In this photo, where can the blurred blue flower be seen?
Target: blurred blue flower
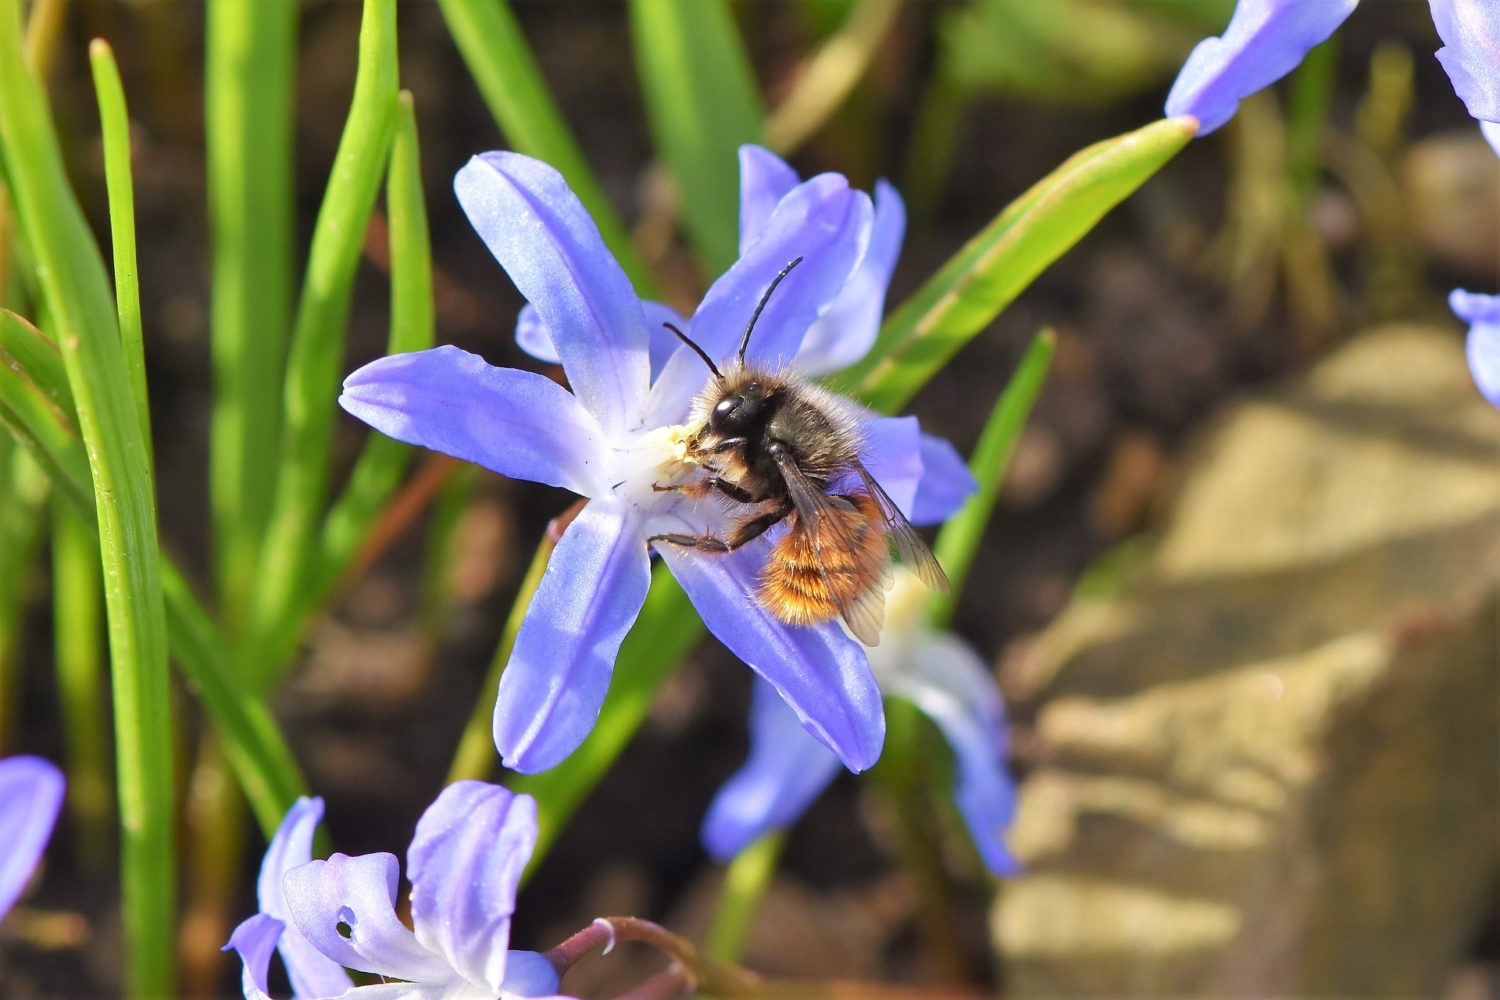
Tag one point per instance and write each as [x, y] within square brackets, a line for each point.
[620, 431]
[1482, 313]
[324, 917]
[31, 793]
[1267, 39]
[936, 671]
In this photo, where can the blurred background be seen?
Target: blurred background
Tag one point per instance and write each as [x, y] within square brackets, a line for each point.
[1240, 590]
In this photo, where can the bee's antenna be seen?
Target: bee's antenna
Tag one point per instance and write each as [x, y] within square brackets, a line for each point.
[762, 304]
[697, 350]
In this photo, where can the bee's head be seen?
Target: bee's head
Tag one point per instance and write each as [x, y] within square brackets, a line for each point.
[737, 413]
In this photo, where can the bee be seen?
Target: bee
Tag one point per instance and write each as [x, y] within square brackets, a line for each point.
[789, 450]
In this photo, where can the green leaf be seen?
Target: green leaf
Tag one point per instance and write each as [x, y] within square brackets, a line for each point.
[384, 460]
[77, 295]
[114, 123]
[317, 348]
[249, 72]
[702, 102]
[492, 46]
[996, 265]
[959, 538]
[259, 754]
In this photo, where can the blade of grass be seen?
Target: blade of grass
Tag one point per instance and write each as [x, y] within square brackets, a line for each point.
[258, 752]
[77, 295]
[831, 75]
[996, 265]
[509, 80]
[702, 103]
[114, 123]
[23, 496]
[312, 375]
[959, 538]
[78, 630]
[249, 72]
[384, 460]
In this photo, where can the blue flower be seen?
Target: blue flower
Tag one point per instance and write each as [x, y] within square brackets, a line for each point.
[936, 671]
[464, 865]
[1482, 313]
[1266, 39]
[31, 793]
[620, 431]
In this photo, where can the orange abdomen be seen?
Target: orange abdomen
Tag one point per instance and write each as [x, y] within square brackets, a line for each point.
[812, 576]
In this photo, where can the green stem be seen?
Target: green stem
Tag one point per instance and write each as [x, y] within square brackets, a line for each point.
[746, 882]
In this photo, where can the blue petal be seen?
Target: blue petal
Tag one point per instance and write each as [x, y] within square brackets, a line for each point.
[948, 681]
[535, 339]
[1470, 30]
[312, 973]
[847, 331]
[819, 671]
[254, 940]
[892, 453]
[1491, 133]
[1265, 41]
[31, 793]
[946, 482]
[589, 597]
[529, 974]
[520, 424]
[464, 863]
[358, 895]
[765, 179]
[541, 234]
[823, 222]
[786, 770]
[1482, 313]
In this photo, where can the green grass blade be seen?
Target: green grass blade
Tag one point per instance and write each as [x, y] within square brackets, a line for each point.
[998, 263]
[249, 73]
[258, 752]
[77, 295]
[667, 628]
[383, 461]
[959, 538]
[702, 102]
[316, 355]
[492, 46]
[23, 496]
[114, 123]
[78, 631]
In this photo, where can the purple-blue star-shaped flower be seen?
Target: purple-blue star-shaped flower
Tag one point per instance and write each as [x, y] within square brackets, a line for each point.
[620, 431]
[31, 793]
[464, 864]
[936, 671]
[1267, 39]
[1482, 313]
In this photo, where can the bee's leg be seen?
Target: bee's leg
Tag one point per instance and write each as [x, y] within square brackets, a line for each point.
[747, 531]
[701, 488]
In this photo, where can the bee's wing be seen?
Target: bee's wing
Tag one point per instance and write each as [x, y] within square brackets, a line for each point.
[914, 552]
[826, 520]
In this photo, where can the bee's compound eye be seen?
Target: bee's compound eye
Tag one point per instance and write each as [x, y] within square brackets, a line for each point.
[724, 411]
